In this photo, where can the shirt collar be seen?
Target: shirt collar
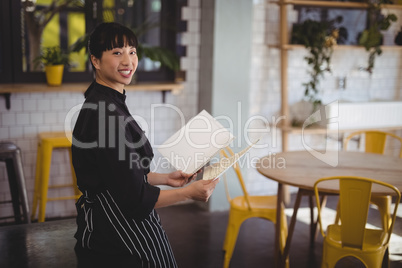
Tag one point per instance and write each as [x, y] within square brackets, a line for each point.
[107, 91]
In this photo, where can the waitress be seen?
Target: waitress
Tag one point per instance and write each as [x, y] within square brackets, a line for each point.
[117, 225]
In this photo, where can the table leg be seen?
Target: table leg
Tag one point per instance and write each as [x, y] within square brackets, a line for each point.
[291, 227]
[314, 222]
[279, 201]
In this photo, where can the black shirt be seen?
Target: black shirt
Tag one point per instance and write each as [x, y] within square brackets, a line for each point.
[111, 158]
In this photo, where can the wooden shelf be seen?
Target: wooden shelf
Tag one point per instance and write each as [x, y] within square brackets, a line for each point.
[81, 87]
[333, 4]
[284, 48]
[336, 47]
[7, 89]
[323, 130]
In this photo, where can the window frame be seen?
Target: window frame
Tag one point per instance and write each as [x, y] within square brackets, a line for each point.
[37, 77]
[169, 16]
[6, 48]
[11, 45]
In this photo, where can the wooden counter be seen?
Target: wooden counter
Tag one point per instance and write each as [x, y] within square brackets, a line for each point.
[7, 89]
[81, 87]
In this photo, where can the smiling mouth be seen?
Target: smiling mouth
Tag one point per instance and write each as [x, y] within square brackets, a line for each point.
[125, 72]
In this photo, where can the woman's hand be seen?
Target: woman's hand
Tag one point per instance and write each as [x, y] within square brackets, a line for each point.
[201, 190]
[179, 178]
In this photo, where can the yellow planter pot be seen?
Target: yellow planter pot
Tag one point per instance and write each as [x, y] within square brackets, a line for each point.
[54, 74]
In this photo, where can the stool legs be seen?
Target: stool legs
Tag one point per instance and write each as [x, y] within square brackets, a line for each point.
[14, 189]
[37, 182]
[46, 156]
[20, 179]
[43, 162]
[11, 154]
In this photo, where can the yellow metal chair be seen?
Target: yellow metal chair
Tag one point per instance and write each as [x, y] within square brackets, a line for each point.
[375, 142]
[47, 142]
[245, 207]
[351, 237]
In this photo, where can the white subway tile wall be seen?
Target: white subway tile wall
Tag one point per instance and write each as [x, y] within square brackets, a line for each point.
[31, 113]
[384, 83]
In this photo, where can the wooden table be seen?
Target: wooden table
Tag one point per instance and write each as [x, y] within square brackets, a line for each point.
[302, 169]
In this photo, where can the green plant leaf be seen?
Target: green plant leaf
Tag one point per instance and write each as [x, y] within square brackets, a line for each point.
[81, 43]
[314, 36]
[52, 56]
[165, 56]
[372, 37]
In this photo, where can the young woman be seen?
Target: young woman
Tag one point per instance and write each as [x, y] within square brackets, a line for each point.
[117, 223]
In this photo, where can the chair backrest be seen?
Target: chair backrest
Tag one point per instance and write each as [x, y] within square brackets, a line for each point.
[354, 201]
[227, 152]
[375, 140]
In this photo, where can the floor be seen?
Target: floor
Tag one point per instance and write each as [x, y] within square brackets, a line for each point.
[196, 237]
[255, 244]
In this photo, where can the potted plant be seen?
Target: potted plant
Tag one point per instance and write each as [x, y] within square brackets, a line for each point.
[54, 59]
[372, 37]
[318, 37]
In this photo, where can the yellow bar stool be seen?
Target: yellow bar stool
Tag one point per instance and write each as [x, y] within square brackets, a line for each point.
[47, 142]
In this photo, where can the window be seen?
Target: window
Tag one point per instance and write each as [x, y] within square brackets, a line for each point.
[155, 24]
[154, 21]
[35, 27]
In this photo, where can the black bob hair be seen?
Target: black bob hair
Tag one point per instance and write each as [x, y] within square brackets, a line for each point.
[109, 35]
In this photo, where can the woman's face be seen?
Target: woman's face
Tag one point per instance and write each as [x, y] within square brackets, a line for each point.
[116, 67]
